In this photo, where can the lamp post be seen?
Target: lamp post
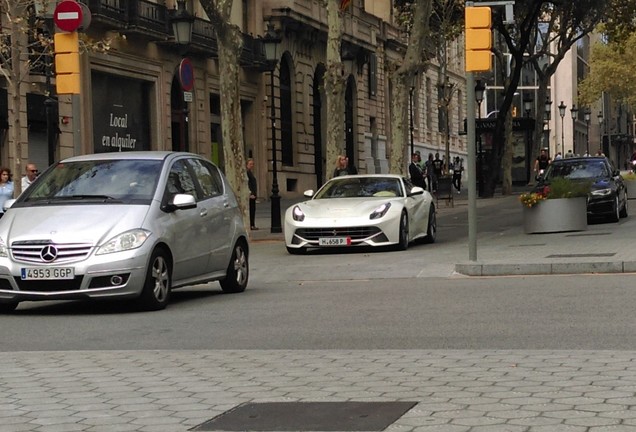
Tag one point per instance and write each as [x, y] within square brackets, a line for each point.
[548, 117]
[562, 108]
[412, 78]
[45, 11]
[574, 112]
[480, 88]
[587, 116]
[271, 42]
[527, 108]
[600, 128]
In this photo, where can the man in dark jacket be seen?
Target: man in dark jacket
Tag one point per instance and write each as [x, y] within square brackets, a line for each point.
[251, 184]
[417, 176]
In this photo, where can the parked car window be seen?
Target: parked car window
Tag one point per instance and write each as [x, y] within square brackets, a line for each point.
[211, 185]
[180, 181]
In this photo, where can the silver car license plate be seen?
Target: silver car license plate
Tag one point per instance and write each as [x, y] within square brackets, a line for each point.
[48, 273]
[334, 241]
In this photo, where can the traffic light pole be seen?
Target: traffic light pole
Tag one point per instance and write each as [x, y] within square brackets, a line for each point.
[472, 165]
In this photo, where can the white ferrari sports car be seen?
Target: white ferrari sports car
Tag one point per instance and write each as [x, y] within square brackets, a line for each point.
[361, 210]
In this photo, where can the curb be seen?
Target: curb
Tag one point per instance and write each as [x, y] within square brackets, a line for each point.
[546, 268]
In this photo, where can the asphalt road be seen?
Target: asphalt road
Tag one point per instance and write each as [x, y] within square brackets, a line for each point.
[351, 300]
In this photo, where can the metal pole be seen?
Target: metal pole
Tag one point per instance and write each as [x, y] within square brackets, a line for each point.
[562, 136]
[480, 157]
[275, 198]
[587, 136]
[411, 116]
[49, 102]
[470, 172]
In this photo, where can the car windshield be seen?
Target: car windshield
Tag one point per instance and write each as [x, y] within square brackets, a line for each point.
[128, 181]
[360, 187]
[577, 169]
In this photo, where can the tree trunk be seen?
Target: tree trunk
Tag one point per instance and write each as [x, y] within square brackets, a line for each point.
[15, 116]
[506, 162]
[412, 64]
[334, 86]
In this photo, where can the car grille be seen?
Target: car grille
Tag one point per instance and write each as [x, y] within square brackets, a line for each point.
[31, 251]
[356, 233]
[50, 285]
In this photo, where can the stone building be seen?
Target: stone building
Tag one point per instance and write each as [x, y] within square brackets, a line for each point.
[150, 93]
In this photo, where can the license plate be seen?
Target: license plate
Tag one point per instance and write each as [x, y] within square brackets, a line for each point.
[50, 273]
[334, 241]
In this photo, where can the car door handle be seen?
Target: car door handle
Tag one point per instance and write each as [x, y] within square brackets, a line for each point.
[203, 212]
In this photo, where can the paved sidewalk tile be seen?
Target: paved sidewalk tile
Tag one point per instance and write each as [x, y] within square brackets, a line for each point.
[455, 390]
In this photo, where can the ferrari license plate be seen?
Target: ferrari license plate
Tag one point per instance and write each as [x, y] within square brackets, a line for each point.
[48, 273]
[334, 241]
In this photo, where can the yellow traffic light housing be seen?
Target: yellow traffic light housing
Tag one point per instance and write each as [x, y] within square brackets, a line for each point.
[67, 63]
[478, 39]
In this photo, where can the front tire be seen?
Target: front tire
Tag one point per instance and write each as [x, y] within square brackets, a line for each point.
[237, 270]
[616, 215]
[624, 210]
[155, 294]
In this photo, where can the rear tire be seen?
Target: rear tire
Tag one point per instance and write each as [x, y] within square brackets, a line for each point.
[8, 307]
[155, 294]
[237, 270]
[431, 231]
[403, 238]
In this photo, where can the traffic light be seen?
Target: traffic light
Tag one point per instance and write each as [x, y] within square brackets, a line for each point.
[478, 39]
[67, 63]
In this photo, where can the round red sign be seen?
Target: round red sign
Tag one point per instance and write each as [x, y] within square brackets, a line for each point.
[68, 15]
[186, 74]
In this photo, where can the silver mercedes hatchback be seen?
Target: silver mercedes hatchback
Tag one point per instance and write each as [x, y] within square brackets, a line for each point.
[122, 225]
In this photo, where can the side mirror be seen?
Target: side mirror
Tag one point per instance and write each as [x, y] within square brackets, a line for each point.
[416, 190]
[309, 193]
[183, 201]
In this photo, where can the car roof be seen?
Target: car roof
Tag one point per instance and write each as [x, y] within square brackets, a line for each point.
[396, 176]
[140, 155]
[577, 159]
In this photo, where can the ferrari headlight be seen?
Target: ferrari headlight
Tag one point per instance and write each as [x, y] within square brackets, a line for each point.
[380, 211]
[4, 250]
[297, 214]
[601, 192]
[125, 241]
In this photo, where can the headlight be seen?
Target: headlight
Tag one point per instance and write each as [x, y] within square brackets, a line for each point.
[602, 192]
[4, 250]
[124, 241]
[297, 214]
[380, 211]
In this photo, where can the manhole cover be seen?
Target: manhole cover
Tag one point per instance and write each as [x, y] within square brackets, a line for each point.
[308, 416]
[596, 255]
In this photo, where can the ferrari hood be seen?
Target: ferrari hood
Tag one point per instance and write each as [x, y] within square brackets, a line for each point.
[342, 207]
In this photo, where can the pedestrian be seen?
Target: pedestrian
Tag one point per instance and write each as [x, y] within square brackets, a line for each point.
[351, 168]
[569, 154]
[599, 152]
[417, 176]
[341, 166]
[542, 162]
[430, 174]
[251, 184]
[31, 174]
[6, 188]
[558, 156]
[457, 174]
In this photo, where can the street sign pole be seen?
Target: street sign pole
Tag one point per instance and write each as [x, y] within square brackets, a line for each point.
[472, 166]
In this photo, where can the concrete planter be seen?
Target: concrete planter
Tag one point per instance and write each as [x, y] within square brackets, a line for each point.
[556, 215]
[631, 188]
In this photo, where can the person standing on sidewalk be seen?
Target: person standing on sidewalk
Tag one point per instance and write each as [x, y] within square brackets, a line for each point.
[417, 176]
[457, 174]
[251, 184]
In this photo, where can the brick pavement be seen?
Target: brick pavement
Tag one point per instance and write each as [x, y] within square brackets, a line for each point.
[455, 390]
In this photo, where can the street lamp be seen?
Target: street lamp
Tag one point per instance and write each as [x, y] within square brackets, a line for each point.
[271, 40]
[562, 108]
[600, 128]
[412, 79]
[574, 111]
[182, 22]
[548, 116]
[587, 116]
[480, 88]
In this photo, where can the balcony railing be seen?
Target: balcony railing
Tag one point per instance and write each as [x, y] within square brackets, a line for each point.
[146, 15]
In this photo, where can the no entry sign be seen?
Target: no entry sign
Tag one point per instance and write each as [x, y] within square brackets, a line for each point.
[68, 15]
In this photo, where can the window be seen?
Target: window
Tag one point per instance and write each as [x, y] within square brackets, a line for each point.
[286, 116]
[209, 182]
[373, 80]
[180, 181]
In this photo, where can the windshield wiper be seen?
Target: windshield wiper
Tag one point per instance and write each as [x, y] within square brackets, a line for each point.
[82, 197]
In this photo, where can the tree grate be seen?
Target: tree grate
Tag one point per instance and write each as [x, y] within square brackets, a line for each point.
[308, 416]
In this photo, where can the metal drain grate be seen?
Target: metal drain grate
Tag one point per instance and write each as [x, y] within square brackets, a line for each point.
[308, 416]
[597, 255]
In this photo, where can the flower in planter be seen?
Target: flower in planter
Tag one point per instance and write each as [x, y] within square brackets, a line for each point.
[560, 187]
